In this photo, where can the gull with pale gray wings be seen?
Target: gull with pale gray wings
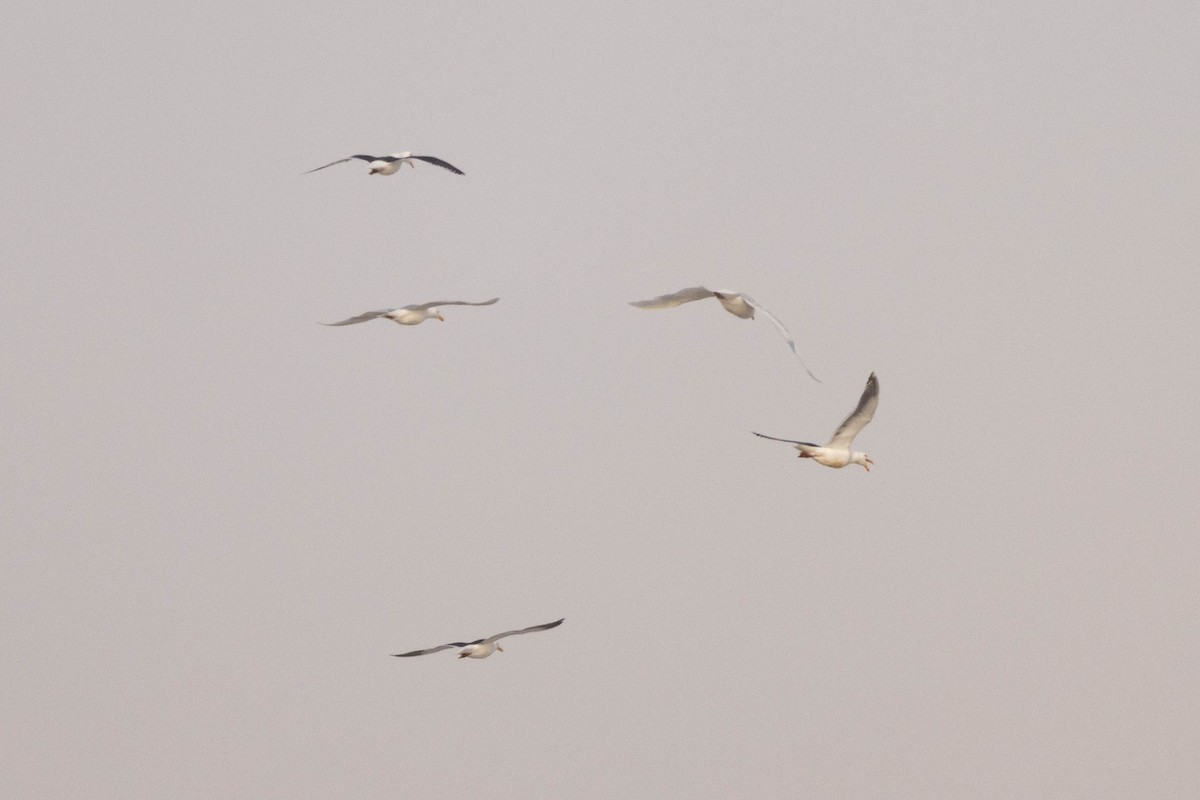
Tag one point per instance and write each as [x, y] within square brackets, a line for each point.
[410, 315]
[481, 648]
[736, 303]
[837, 453]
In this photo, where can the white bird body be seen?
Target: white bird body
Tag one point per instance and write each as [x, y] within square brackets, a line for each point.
[736, 303]
[830, 457]
[413, 316]
[481, 648]
[390, 165]
[837, 452]
[410, 315]
[382, 167]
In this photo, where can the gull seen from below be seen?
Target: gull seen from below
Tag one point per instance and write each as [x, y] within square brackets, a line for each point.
[837, 453]
[410, 315]
[736, 303]
[390, 165]
[480, 648]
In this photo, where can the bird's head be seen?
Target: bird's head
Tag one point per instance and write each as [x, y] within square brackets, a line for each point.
[862, 460]
[498, 647]
[435, 314]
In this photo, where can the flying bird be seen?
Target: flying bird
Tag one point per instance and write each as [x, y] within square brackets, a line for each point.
[837, 453]
[736, 303]
[390, 165]
[410, 315]
[480, 648]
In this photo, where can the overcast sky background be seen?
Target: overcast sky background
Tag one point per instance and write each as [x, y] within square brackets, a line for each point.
[221, 518]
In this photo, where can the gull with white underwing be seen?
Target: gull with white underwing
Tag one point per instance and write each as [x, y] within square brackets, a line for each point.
[410, 315]
[736, 303]
[837, 452]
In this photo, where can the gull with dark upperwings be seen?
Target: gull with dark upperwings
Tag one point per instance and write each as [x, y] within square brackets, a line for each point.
[837, 453]
[481, 648]
[390, 165]
[736, 303]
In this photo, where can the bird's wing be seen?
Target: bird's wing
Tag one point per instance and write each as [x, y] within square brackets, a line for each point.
[440, 163]
[675, 298]
[342, 161]
[789, 441]
[859, 417]
[437, 303]
[787, 336]
[364, 317]
[437, 649]
[426, 652]
[545, 627]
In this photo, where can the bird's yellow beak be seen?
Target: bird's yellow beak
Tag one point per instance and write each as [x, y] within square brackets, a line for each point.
[498, 647]
[867, 466]
[439, 316]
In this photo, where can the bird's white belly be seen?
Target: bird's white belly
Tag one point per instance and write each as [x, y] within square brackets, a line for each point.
[407, 318]
[831, 458]
[479, 650]
[735, 305]
[385, 167]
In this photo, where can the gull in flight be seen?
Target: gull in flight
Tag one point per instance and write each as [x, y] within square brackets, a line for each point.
[736, 303]
[410, 315]
[837, 453]
[480, 648]
[390, 165]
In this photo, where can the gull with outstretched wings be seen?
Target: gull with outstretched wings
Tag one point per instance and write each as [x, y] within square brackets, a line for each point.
[410, 315]
[390, 165]
[837, 453]
[481, 648]
[736, 303]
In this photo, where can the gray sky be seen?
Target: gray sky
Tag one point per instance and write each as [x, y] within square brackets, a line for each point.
[220, 518]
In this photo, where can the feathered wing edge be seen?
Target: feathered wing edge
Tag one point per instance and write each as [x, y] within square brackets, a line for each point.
[341, 161]
[440, 163]
[674, 298]
[783, 330]
[436, 303]
[859, 417]
[366, 316]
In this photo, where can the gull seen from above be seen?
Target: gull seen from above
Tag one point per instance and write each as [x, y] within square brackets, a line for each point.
[837, 453]
[736, 303]
[480, 648]
[390, 165]
[410, 315]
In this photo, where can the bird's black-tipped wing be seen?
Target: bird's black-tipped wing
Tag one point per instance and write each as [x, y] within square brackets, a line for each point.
[545, 627]
[437, 649]
[440, 163]
[424, 652]
[859, 417]
[343, 161]
[364, 317]
[789, 441]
